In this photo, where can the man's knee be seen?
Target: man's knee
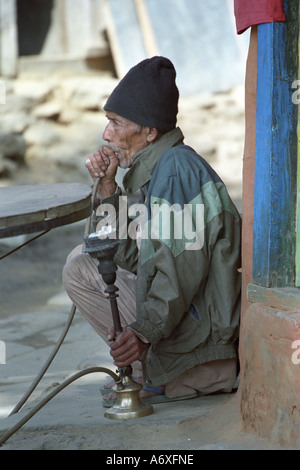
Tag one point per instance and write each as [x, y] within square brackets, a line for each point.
[71, 272]
[210, 377]
[67, 274]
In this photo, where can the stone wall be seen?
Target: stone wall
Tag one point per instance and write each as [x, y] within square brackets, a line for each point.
[49, 125]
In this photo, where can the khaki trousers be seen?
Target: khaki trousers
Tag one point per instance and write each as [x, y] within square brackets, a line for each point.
[85, 288]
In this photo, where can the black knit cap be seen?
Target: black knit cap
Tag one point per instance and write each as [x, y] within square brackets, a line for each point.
[147, 94]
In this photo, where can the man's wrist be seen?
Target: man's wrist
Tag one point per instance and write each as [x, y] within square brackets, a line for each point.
[99, 198]
[107, 189]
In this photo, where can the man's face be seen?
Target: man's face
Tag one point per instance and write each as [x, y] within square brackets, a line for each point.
[124, 137]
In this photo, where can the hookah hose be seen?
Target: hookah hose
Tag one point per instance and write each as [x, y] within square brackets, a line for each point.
[50, 359]
[47, 364]
[51, 395]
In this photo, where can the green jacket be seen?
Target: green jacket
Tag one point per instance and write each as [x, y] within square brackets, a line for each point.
[188, 289]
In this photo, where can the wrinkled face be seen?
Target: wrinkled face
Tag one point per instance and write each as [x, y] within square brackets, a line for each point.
[124, 137]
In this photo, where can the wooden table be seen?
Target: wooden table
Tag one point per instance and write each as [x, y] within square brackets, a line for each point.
[27, 209]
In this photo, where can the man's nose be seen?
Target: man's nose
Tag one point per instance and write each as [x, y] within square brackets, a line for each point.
[107, 133]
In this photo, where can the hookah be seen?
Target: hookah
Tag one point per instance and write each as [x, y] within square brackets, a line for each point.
[128, 404]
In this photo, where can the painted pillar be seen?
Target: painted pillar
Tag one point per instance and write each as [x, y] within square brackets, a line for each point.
[296, 100]
[276, 153]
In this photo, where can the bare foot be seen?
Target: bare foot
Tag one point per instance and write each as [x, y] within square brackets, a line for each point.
[110, 396]
[110, 385]
[143, 394]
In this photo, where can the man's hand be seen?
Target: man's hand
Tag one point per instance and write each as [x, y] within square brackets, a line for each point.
[127, 348]
[103, 164]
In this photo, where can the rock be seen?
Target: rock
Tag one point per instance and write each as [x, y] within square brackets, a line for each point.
[69, 115]
[43, 133]
[35, 90]
[12, 146]
[16, 122]
[57, 164]
[205, 101]
[60, 155]
[49, 110]
[88, 93]
[85, 133]
[16, 104]
[12, 153]
[7, 167]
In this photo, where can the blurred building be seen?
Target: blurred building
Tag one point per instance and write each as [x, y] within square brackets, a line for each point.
[79, 36]
[48, 35]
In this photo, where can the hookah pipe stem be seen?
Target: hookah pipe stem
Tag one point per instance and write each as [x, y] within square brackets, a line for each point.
[111, 290]
[116, 317]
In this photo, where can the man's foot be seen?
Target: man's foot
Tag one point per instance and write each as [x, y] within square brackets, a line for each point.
[109, 385]
[109, 396]
[109, 400]
[144, 393]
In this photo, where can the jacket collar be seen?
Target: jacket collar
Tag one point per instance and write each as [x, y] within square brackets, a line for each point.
[146, 159]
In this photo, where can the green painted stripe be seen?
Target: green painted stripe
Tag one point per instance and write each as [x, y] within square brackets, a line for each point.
[170, 219]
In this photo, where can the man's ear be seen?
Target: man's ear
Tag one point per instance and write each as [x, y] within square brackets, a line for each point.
[152, 134]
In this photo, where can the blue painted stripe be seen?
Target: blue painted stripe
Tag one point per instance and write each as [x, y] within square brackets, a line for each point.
[275, 160]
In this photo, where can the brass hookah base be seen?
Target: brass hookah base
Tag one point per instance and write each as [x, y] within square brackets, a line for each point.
[128, 404]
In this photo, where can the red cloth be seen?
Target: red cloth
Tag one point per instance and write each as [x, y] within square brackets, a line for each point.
[252, 12]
